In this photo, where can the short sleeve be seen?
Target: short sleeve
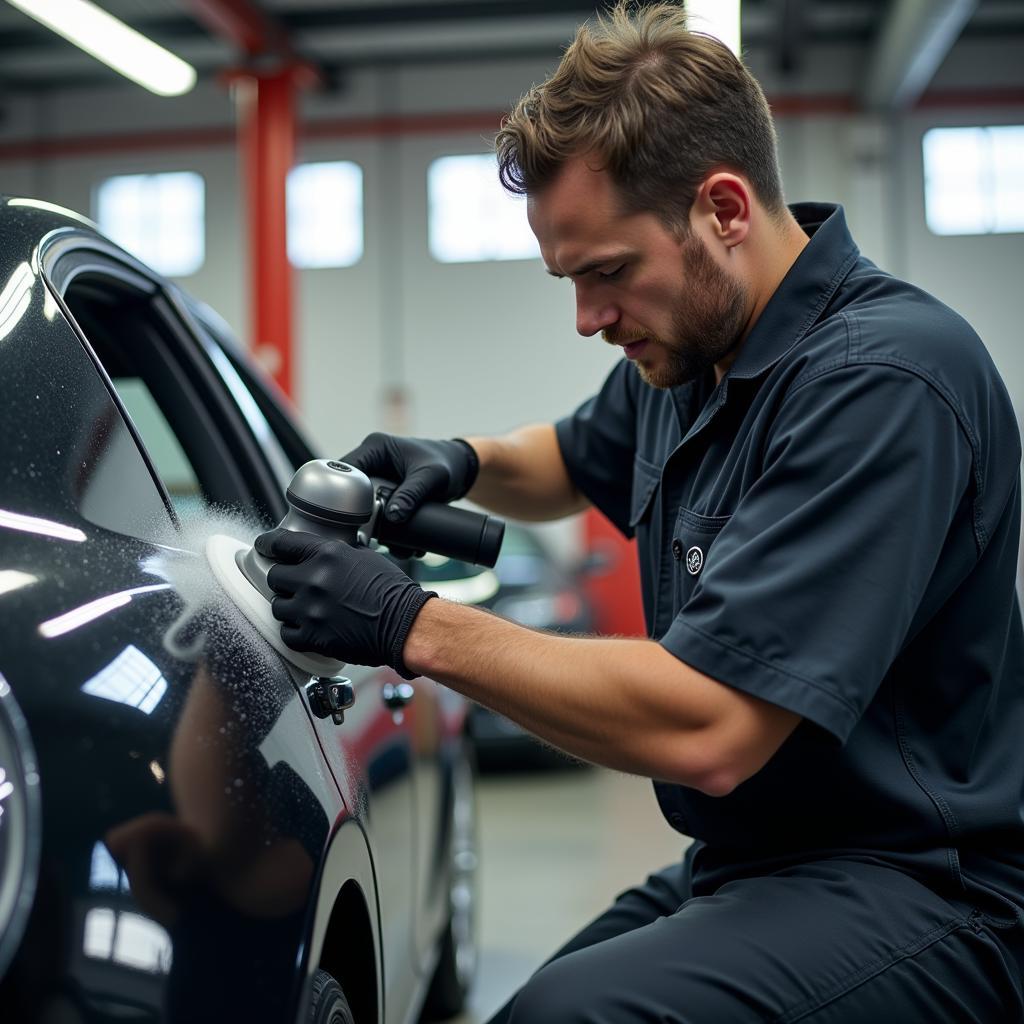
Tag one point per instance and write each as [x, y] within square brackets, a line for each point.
[809, 592]
[598, 441]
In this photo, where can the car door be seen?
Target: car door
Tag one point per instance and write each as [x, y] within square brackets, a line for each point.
[183, 802]
[403, 739]
[222, 475]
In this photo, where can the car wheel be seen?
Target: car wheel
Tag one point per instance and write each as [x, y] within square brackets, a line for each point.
[328, 1004]
[456, 967]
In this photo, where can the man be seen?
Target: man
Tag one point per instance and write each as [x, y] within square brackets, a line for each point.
[821, 466]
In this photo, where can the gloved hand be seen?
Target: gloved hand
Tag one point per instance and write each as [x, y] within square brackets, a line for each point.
[343, 602]
[424, 470]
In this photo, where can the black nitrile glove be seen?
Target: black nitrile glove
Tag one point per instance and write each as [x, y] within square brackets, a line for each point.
[424, 470]
[343, 602]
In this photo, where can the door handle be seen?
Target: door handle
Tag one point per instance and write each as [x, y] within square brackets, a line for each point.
[397, 695]
[330, 698]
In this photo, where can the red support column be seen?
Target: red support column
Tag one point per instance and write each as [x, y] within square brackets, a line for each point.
[615, 594]
[266, 107]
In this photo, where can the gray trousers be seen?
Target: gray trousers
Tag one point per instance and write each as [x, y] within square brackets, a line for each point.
[833, 942]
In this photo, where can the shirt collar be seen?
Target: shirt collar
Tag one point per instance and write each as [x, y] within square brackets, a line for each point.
[804, 292]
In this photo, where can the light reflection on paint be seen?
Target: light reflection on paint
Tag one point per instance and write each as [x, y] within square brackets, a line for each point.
[32, 524]
[93, 610]
[12, 579]
[126, 938]
[50, 307]
[41, 204]
[15, 298]
[131, 679]
[104, 873]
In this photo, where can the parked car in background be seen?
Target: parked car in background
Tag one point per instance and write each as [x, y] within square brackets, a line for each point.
[182, 837]
[529, 586]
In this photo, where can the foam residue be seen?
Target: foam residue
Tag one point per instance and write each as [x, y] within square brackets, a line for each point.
[181, 560]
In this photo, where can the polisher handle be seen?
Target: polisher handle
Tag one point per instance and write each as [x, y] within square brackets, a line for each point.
[455, 532]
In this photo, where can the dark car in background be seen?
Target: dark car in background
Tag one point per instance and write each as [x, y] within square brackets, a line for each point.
[183, 837]
[530, 586]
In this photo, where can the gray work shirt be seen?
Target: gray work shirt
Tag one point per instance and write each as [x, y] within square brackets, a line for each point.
[834, 529]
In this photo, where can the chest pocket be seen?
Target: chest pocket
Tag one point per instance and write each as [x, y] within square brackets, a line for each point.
[691, 546]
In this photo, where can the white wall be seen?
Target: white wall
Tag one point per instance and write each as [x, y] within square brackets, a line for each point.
[481, 348]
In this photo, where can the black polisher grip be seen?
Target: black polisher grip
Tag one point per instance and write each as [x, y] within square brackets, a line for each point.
[455, 532]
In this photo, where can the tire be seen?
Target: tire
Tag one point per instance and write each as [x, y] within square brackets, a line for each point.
[456, 967]
[327, 1003]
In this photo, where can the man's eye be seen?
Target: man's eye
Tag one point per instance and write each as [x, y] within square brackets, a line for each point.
[607, 275]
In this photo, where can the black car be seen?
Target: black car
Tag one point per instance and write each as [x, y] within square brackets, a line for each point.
[182, 836]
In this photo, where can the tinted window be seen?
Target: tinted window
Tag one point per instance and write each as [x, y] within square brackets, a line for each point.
[169, 459]
[67, 451]
[192, 433]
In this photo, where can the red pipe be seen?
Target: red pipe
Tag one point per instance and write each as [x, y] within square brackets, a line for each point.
[429, 124]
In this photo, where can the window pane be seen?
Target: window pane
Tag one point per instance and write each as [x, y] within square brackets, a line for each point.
[472, 218]
[169, 459]
[160, 218]
[974, 180]
[325, 214]
[1008, 162]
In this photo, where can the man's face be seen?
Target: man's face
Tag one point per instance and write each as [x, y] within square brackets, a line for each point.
[674, 310]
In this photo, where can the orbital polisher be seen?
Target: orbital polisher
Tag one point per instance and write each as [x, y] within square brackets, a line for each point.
[339, 502]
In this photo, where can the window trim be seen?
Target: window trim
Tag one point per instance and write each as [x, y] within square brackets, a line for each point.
[250, 481]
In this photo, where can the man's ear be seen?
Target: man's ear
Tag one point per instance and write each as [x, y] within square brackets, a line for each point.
[724, 202]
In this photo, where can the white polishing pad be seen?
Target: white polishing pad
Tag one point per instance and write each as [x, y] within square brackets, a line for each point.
[220, 553]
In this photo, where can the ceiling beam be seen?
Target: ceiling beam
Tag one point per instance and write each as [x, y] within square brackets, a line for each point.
[240, 23]
[914, 40]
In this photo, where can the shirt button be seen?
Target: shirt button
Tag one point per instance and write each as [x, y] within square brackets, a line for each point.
[677, 549]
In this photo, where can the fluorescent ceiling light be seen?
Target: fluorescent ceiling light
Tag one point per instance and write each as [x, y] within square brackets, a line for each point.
[718, 18]
[104, 37]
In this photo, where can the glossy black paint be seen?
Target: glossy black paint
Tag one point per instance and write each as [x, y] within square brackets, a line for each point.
[198, 843]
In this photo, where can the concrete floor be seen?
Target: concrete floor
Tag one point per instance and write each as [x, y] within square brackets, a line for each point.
[556, 846]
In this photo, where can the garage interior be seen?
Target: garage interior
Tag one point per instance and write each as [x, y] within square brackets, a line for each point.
[409, 323]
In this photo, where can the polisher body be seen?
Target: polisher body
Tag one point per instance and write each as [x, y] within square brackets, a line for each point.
[222, 554]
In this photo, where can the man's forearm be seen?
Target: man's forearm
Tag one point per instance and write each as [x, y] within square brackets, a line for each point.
[522, 475]
[627, 704]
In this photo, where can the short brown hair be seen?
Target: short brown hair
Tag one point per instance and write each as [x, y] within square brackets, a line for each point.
[657, 104]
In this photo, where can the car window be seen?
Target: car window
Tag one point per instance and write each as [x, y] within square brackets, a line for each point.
[284, 448]
[252, 390]
[169, 458]
[66, 447]
[191, 430]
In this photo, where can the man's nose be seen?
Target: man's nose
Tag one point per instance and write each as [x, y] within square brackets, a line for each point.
[593, 315]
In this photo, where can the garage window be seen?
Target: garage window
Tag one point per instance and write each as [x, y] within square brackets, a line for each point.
[472, 218]
[325, 215]
[160, 218]
[974, 180]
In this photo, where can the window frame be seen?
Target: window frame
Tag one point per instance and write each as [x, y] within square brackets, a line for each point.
[240, 473]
